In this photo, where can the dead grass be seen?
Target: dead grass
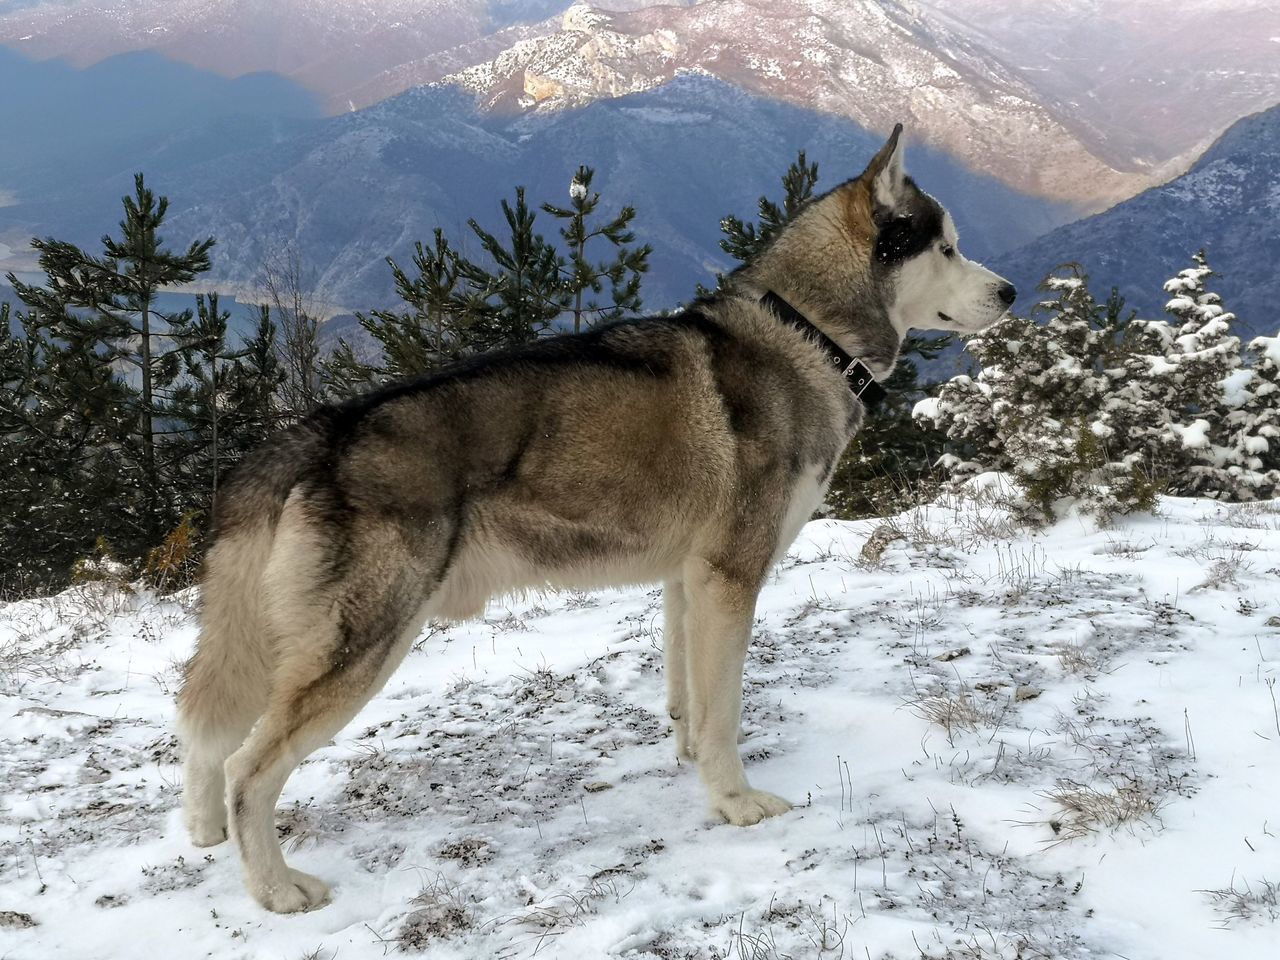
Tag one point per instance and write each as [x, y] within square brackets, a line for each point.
[1256, 515]
[1075, 658]
[1084, 809]
[1125, 549]
[955, 713]
[564, 910]
[1246, 903]
[26, 657]
[1225, 558]
[961, 519]
[442, 911]
[822, 929]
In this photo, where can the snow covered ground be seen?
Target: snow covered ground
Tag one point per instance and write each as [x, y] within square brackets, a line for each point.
[1000, 743]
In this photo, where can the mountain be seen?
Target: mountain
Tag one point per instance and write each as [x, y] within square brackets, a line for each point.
[870, 61]
[333, 47]
[1144, 81]
[327, 45]
[348, 190]
[66, 127]
[1072, 99]
[1227, 203]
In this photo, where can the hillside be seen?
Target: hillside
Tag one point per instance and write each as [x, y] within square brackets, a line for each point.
[78, 127]
[999, 743]
[1226, 203]
[346, 191]
[871, 62]
[1097, 100]
[1154, 81]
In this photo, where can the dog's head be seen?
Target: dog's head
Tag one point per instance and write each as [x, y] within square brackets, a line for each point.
[927, 282]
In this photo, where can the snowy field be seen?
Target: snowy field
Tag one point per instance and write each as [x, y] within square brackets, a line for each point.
[999, 743]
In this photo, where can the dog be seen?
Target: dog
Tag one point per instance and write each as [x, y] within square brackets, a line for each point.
[687, 450]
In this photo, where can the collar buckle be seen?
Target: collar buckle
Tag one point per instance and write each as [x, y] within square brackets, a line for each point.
[861, 381]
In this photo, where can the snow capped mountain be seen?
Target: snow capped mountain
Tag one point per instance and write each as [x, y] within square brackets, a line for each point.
[1076, 99]
[875, 63]
[347, 191]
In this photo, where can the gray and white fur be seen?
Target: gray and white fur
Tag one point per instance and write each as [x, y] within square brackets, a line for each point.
[687, 450]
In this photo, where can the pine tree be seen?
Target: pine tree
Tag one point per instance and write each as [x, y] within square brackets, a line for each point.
[199, 400]
[742, 241]
[1259, 416]
[1205, 354]
[255, 389]
[431, 333]
[61, 428]
[585, 276]
[1043, 406]
[973, 411]
[225, 404]
[1110, 408]
[517, 300]
[107, 306]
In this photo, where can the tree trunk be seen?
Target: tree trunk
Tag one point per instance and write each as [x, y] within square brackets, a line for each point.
[148, 435]
[577, 296]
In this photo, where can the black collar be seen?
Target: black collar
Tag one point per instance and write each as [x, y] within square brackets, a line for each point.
[856, 373]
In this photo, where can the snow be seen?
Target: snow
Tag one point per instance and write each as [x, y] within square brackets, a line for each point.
[1194, 436]
[513, 790]
[1235, 387]
[1268, 347]
[926, 409]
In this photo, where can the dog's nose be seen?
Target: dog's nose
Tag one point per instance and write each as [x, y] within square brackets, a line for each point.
[1007, 293]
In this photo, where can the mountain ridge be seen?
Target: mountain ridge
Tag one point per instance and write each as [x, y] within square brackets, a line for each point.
[1227, 203]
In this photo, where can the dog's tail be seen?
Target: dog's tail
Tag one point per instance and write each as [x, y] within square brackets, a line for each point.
[227, 681]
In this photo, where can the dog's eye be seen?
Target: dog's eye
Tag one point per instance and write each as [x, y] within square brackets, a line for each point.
[948, 251]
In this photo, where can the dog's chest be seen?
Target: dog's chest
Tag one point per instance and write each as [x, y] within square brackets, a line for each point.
[807, 491]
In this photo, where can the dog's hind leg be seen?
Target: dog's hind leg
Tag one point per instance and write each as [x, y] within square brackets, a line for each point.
[675, 664]
[339, 635]
[313, 697]
[226, 681]
[718, 629]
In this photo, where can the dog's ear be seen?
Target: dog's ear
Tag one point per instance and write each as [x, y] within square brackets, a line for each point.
[884, 174]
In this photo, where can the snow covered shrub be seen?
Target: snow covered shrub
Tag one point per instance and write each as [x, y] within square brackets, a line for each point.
[1257, 415]
[1207, 389]
[1032, 410]
[101, 566]
[1111, 410]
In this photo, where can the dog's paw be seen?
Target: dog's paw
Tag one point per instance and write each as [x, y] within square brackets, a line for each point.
[207, 835]
[296, 893]
[206, 831]
[750, 806]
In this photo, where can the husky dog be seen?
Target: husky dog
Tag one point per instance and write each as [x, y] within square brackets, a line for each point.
[687, 450]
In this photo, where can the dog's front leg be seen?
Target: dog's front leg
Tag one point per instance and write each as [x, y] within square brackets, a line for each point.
[717, 630]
